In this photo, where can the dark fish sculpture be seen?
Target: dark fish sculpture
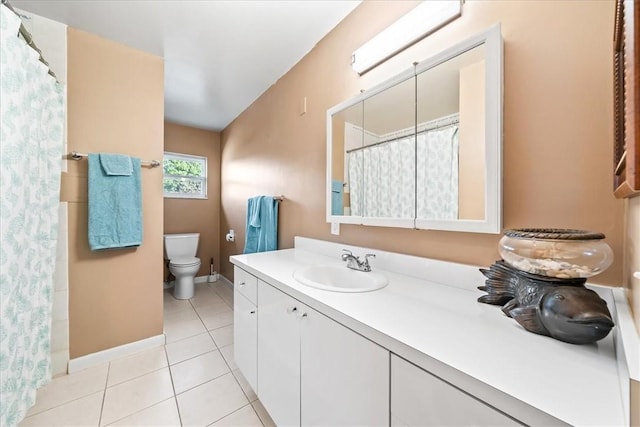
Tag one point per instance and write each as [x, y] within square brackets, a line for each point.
[560, 308]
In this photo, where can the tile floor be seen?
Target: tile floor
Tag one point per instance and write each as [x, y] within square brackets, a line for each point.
[190, 381]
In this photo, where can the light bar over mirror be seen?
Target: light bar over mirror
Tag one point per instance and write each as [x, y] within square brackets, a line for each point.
[421, 21]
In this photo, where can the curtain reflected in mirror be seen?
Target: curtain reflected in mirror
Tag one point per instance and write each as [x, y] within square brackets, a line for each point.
[388, 153]
[424, 149]
[451, 138]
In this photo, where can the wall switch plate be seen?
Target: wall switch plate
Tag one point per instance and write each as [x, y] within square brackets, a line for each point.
[335, 228]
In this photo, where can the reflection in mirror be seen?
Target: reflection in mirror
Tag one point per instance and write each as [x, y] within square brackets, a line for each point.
[388, 153]
[347, 135]
[424, 149]
[450, 138]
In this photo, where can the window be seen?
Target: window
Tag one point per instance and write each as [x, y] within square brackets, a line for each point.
[185, 176]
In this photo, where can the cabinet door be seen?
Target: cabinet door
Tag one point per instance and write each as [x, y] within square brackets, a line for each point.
[421, 399]
[344, 376]
[245, 338]
[279, 355]
[246, 284]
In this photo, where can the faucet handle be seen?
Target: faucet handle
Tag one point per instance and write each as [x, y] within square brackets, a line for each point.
[365, 263]
[346, 253]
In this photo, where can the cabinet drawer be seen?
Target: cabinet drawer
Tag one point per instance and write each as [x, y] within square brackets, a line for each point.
[246, 284]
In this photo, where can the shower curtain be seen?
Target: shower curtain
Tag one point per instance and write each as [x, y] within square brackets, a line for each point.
[437, 177]
[383, 177]
[31, 142]
[382, 180]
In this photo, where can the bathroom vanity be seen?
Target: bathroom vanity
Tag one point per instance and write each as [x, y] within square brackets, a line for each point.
[420, 351]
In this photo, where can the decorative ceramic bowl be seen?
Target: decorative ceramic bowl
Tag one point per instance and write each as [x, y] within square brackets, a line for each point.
[559, 253]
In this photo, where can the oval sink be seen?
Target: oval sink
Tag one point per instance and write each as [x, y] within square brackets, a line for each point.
[339, 278]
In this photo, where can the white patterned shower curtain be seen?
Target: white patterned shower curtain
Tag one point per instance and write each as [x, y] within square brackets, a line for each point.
[437, 177]
[31, 143]
[383, 177]
[382, 180]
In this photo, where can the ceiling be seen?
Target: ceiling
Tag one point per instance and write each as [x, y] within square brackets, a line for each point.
[219, 55]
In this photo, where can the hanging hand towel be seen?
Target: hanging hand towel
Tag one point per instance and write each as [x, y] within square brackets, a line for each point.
[116, 164]
[262, 225]
[115, 201]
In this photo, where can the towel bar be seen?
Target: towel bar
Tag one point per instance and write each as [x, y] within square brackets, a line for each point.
[74, 155]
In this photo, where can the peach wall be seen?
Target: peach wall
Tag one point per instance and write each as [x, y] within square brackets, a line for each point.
[196, 215]
[557, 129]
[115, 104]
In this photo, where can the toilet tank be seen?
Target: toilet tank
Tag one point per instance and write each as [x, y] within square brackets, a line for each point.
[180, 245]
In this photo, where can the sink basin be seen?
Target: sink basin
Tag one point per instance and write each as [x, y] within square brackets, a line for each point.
[339, 278]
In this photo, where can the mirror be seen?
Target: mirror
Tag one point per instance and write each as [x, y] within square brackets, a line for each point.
[423, 150]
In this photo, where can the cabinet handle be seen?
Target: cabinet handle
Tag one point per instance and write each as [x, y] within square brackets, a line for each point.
[302, 315]
[292, 310]
[252, 312]
[242, 283]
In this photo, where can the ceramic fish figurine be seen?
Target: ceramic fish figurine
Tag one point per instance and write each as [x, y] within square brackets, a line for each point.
[560, 308]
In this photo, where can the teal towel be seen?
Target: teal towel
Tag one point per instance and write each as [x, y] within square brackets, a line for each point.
[262, 225]
[337, 207]
[115, 202]
[116, 164]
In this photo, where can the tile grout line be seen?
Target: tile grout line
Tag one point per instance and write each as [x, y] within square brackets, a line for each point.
[197, 355]
[104, 394]
[63, 404]
[231, 413]
[206, 382]
[246, 395]
[173, 386]
[144, 408]
[205, 327]
[264, 424]
[137, 375]
[217, 348]
[243, 392]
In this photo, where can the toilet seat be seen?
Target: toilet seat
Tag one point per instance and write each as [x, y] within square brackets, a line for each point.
[184, 262]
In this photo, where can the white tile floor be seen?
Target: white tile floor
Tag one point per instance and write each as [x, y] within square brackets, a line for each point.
[190, 381]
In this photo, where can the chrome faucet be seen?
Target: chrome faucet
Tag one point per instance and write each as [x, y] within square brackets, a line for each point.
[354, 263]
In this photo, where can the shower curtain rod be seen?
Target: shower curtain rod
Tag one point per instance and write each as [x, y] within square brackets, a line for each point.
[438, 124]
[26, 35]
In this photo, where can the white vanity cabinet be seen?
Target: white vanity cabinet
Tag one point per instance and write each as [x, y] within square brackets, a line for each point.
[245, 319]
[419, 398]
[312, 371]
[279, 355]
[344, 376]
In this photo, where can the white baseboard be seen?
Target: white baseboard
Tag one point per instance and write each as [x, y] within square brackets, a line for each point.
[197, 279]
[221, 278]
[225, 281]
[104, 356]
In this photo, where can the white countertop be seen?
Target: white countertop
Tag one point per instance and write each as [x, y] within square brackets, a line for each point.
[469, 344]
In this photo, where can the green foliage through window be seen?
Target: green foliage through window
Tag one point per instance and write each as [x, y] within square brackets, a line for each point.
[184, 176]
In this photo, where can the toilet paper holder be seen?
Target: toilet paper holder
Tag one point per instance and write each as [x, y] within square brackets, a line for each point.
[231, 236]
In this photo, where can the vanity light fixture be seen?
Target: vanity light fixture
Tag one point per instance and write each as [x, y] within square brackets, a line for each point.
[423, 20]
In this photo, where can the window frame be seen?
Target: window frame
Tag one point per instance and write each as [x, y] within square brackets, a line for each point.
[168, 155]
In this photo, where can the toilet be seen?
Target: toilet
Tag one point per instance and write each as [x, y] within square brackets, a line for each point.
[180, 250]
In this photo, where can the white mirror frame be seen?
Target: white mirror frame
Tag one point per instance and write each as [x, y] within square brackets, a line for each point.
[492, 222]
